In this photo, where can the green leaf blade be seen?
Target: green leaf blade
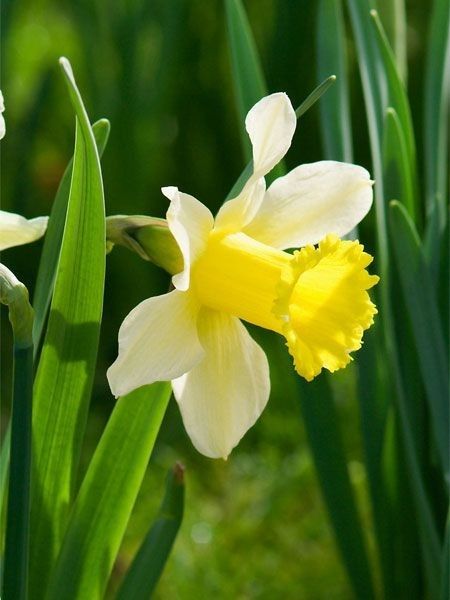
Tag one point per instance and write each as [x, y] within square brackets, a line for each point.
[107, 495]
[332, 58]
[398, 175]
[321, 423]
[248, 75]
[66, 368]
[53, 237]
[426, 325]
[147, 566]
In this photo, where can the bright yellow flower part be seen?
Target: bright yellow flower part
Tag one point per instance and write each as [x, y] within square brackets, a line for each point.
[236, 267]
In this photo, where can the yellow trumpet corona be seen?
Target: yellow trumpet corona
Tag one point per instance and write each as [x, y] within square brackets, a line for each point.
[317, 297]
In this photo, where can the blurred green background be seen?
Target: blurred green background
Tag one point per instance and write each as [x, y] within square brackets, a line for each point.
[159, 70]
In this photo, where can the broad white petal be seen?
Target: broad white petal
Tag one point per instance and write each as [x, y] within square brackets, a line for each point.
[235, 214]
[224, 394]
[158, 341]
[190, 222]
[15, 230]
[311, 201]
[270, 124]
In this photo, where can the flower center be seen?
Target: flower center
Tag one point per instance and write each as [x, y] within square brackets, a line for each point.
[317, 298]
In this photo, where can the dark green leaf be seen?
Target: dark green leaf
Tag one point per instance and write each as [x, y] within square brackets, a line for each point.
[148, 564]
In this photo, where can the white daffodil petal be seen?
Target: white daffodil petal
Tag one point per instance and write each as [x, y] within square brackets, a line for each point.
[270, 124]
[310, 202]
[2, 120]
[158, 341]
[15, 230]
[235, 214]
[224, 394]
[190, 222]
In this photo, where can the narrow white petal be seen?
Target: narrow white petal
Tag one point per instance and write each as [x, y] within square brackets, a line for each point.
[270, 124]
[190, 222]
[15, 230]
[2, 120]
[235, 214]
[158, 341]
[311, 201]
[224, 394]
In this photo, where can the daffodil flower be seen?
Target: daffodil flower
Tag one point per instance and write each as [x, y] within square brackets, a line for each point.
[15, 230]
[235, 267]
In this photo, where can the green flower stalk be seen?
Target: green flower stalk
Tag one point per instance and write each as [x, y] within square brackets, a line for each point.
[15, 580]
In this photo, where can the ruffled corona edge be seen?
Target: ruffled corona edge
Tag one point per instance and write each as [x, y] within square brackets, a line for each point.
[324, 304]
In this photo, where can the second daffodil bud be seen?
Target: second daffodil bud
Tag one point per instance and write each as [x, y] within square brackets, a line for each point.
[149, 237]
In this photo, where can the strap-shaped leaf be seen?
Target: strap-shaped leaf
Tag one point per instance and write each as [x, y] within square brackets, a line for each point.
[107, 495]
[382, 88]
[148, 564]
[398, 178]
[46, 275]
[426, 325]
[53, 237]
[332, 58]
[321, 423]
[436, 110]
[66, 368]
[248, 76]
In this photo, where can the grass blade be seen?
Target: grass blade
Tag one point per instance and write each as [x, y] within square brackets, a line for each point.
[52, 241]
[321, 423]
[248, 75]
[398, 100]
[66, 367]
[393, 17]
[46, 275]
[107, 495]
[436, 124]
[398, 178]
[445, 581]
[436, 109]
[426, 325]
[315, 95]
[382, 88]
[148, 564]
[332, 58]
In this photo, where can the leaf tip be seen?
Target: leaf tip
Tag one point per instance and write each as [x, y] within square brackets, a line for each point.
[67, 68]
[178, 473]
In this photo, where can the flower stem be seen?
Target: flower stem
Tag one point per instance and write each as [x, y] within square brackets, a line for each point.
[17, 525]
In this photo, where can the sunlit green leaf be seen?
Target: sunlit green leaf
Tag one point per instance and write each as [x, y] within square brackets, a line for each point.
[248, 76]
[425, 323]
[321, 423]
[52, 241]
[332, 58]
[66, 368]
[107, 495]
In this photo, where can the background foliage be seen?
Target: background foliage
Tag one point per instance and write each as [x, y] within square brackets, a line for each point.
[255, 526]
